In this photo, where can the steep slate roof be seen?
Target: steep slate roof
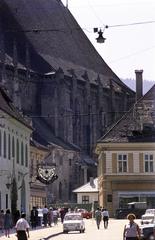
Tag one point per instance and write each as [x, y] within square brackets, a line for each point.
[60, 41]
[46, 137]
[7, 107]
[125, 129]
[88, 187]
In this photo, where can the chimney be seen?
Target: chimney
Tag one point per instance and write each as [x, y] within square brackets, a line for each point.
[91, 182]
[139, 84]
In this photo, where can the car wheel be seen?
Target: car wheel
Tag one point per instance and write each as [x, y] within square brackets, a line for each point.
[151, 237]
[65, 231]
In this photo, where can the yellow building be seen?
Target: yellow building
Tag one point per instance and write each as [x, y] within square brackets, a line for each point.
[126, 157]
[38, 194]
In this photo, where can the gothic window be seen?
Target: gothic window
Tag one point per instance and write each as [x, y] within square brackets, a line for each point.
[0, 143]
[9, 147]
[13, 147]
[22, 153]
[60, 190]
[61, 160]
[17, 150]
[122, 163]
[26, 156]
[148, 159]
[4, 140]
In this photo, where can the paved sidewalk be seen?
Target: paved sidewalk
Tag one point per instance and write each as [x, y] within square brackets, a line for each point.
[39, 233]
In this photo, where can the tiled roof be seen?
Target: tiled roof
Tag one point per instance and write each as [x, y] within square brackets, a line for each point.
[88, 187]
[127, 130]
[7, 106]
[58, 41]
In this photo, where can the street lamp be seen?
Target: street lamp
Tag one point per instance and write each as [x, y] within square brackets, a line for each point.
[100, 38]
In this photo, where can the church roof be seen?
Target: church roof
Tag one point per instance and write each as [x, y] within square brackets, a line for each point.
[55, 37]
[137, 125]
[7, 106]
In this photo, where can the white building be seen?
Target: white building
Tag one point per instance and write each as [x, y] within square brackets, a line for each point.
[88, 193]
[14, 156]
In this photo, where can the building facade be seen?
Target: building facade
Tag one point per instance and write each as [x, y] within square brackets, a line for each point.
[55, 76]
[126, 153]
[14, 156]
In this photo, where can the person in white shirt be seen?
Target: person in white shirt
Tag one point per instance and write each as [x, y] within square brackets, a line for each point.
[105, 216]
[22, 228]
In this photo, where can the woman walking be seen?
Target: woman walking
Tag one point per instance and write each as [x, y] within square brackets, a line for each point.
[7, 223]
[131, 230]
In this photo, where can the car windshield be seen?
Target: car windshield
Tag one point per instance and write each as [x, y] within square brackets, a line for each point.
[147, 217]
[73, 217]
[150, 211]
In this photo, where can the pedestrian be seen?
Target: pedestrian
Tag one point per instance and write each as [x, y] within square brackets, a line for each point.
[22, 228]
[105, 217]
[98, 217]
[50, 217]
[7, 223]
[55, 216]
[2, 220]
[62, 214]
[34, 217]
[131, 230]
[45, 215]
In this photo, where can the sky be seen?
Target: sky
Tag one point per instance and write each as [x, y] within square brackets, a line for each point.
[127, 47]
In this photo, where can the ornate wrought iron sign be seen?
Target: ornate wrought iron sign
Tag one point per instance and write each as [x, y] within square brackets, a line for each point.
[46, 174]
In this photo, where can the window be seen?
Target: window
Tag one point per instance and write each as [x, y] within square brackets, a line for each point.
[17, 150]
[22, 154]
[26, 156]
[13, 147]
[0, 143]
[148, 162]
[85, 199]
[9, 147]
[70, 162]
[4, 137]
[122, 163]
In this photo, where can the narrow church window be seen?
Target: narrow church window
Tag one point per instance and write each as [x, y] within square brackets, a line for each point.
[26, 156]
[4, 144]
[0, 143]
[22, 154]
[13, 147]
[9, 147]
[17, 150]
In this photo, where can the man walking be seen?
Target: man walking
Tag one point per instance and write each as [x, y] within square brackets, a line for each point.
[22, 228]
[98, 217]
[105, 215]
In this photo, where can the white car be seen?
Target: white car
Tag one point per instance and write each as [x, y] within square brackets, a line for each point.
[73, 222]
[148, 217]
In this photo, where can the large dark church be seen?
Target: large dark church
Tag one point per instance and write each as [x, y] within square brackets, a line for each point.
[55, 76]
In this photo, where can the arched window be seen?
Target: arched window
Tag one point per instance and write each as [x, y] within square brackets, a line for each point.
[22, 153]
[13, 147]
[0, 143]
[4, 145]
[9, 147]
[60, 190]
[17, 150]
[26, 156]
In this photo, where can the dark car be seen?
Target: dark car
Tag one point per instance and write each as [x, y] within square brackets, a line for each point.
[147, 231]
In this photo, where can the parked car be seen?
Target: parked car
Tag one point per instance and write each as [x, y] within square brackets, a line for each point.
[147, 231]
[85, 213]
[73, 222]
[148, 217]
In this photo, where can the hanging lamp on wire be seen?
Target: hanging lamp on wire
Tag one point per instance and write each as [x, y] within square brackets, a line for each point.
[100, 38]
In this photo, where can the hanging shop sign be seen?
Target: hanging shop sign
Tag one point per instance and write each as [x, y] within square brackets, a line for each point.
[46, 175]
